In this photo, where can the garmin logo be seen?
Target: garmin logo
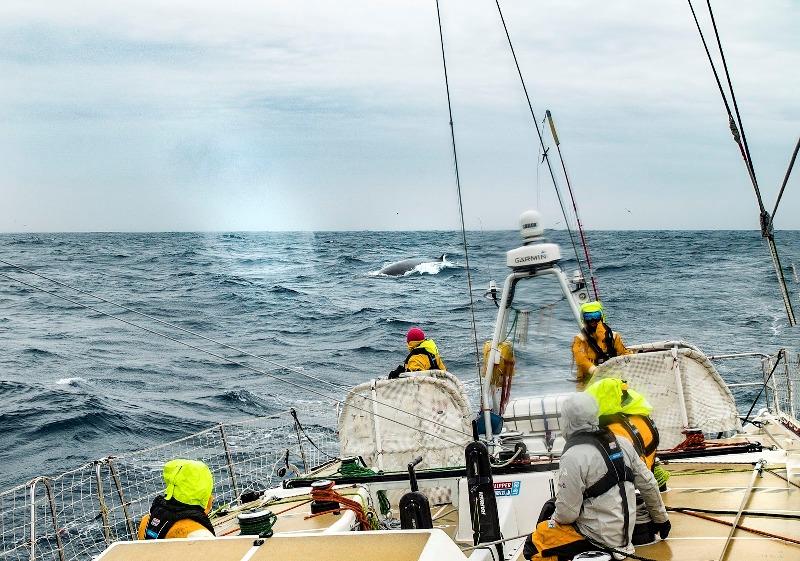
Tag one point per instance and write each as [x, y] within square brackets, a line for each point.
[542, 256]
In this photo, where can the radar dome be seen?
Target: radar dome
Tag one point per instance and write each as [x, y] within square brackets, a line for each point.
[530, 225]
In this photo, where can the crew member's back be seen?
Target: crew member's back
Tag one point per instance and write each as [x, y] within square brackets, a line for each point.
[182, 511]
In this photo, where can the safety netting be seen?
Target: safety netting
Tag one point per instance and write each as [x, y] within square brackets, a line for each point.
[390, 422]
[76, 515]
[681, 384]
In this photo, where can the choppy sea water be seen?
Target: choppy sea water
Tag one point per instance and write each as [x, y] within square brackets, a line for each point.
[76, 385]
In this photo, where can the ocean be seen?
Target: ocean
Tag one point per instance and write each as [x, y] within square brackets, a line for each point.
[76, 385]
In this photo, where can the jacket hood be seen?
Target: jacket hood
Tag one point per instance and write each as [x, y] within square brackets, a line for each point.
[426, 344]
[578, 414]
[613, 396]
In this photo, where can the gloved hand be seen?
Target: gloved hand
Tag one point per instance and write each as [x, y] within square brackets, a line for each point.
[397, 371]
[662, 528]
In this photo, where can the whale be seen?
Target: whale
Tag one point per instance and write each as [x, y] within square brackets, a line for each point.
[402, 267]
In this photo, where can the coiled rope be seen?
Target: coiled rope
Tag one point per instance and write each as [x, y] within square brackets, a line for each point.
[331, 495]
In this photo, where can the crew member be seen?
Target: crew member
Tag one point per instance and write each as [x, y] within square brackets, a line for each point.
[182, 511]
[423, 354]
[596, 343]
[626, 413]
[595, 505]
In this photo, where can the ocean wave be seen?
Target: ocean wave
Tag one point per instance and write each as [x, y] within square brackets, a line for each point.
[243, 401]
[280, 289]
[348, 259]
[75, 381]
[235, 281]
[38, 352]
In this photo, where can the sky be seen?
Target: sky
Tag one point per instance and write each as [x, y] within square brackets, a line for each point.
[173, 115]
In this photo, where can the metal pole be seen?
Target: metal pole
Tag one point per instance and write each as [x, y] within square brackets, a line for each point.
[51, 501]
[33, 520]
[101, 499]
[756, 472]
[118, 485]
[679, 385]
[789, 390]
[229, 459]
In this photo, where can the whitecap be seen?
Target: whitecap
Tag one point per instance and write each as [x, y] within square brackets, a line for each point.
[70, 381]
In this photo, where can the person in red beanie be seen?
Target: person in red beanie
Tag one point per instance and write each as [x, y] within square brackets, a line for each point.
[423, 354]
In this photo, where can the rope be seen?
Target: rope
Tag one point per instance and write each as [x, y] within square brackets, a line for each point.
[684, 509]
[460, 203]
[309, 389]
[781, 354]
[352, 469]
[314, 444]
[740, 527]
[330, 495]
[541, 141]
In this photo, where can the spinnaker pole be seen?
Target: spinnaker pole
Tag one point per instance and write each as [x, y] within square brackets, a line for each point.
[574, 204]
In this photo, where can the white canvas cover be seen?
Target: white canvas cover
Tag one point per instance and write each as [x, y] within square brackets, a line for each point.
[390, 422]
[710, 406]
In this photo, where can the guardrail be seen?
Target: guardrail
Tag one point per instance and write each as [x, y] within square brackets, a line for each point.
[780, 377]
[76, 515]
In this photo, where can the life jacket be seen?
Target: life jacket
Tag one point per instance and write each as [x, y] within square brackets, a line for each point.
[639, 430]
[421, 350]
[617, 471]
[608, 339]
[165, 513]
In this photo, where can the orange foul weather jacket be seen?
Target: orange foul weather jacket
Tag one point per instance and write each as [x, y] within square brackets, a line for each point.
[587, 359]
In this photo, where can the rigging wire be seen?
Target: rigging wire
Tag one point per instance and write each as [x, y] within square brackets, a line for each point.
[735, 105]
[460, 202]
[786, 178]
[266, 373]
[541, 141]
[739, 137]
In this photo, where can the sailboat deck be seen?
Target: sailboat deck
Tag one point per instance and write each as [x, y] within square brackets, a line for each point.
[722, 487]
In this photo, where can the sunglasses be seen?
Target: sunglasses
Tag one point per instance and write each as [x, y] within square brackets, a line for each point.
[592, 316]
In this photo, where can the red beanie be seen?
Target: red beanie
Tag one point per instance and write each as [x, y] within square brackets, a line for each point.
[415, 334]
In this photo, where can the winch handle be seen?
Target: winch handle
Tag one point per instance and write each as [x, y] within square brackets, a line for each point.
[412, 476]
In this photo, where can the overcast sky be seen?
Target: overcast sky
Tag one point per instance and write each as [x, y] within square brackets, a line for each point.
[318, 115]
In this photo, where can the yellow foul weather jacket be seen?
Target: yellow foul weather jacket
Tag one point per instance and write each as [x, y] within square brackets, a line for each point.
[423, 355]
[587, 359]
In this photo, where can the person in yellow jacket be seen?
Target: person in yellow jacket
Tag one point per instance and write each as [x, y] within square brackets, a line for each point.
[626, 413]
[182, 511]
[423, 354]
[596, 343]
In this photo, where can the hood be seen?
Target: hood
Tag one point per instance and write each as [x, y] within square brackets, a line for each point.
[578, 414]
[426, 344]
[188, 481]
[613, 396]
